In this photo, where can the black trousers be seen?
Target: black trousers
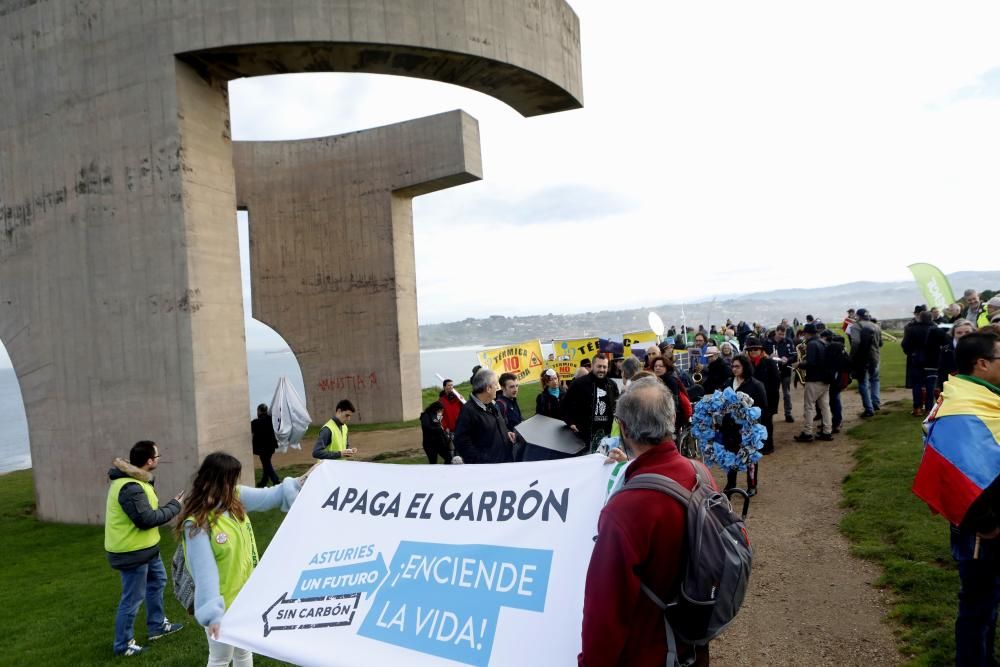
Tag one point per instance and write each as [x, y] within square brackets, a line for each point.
[752, 471]
[269, 473]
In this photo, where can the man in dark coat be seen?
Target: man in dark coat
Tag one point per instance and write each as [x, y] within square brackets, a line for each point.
[589, 408]
[717, 373]
[507, 400]
[766, 371]
[481, 434]
[784, 349]
[265, 444]
[914, 341]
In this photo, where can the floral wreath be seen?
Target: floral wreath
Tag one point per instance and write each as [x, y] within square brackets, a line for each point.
[707, 420]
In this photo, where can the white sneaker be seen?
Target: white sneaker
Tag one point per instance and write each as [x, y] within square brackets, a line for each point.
[131, 649]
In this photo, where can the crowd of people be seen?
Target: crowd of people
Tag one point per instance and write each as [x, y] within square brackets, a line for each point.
[634, 408]
[764, 364]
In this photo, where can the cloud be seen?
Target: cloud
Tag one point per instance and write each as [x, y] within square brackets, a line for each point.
[563, 202]
[986, 87]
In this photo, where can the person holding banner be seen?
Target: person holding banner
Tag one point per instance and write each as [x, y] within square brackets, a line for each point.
[640, 539]
[219, 546]
[481, 435]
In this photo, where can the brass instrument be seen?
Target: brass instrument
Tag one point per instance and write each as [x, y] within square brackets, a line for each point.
[800, 357]
[697, 374]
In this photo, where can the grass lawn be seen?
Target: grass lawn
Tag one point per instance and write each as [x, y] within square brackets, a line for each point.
[58, 595]
[891, 526]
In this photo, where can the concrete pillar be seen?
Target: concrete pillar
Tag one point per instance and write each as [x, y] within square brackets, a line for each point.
[331, 252]
[119, 283]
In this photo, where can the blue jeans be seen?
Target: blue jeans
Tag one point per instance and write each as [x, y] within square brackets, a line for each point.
[868, 387]
[145, 581]
[978, 598]
[836, 407]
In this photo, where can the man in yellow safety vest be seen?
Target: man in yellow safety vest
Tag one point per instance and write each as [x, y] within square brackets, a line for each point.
[332, 440]
[132, 541]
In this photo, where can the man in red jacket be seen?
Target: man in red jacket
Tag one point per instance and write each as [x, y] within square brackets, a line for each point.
[452, 406]
[640, 536]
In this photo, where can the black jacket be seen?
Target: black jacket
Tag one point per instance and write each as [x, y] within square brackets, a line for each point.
[717, 376]
[732, 439]
[914, 342]
[264, 440]
[937, 338]
[434, 439]
[481, 435]
[581, 409]
[946, 362]
[815, 364]
[136, 506]
[548, 405]
[786, 348]
[510, 410]
[766, 371]
[754, 388]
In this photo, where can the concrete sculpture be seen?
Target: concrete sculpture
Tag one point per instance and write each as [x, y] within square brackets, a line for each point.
[332, 264]
[120, 300]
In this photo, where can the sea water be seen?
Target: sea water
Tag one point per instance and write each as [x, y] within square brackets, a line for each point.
[265, 368]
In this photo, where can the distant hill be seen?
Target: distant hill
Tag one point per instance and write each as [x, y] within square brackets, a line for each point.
[885, 301]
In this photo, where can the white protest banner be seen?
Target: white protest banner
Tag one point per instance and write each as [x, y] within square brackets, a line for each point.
[381, 564]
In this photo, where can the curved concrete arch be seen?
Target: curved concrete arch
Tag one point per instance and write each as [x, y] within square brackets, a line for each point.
[331, 252]
[118, 252]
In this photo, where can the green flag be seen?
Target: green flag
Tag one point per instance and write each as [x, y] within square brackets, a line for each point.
[934, 285]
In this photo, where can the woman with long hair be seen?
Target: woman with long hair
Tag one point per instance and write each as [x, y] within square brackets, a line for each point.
[663, 368]
[219, 546]
[744, 381]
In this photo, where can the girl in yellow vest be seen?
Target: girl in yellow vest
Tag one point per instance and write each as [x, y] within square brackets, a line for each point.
[219, 545]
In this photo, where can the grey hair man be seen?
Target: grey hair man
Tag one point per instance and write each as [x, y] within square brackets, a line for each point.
[973, 306]
[481, 434]
[640, 538]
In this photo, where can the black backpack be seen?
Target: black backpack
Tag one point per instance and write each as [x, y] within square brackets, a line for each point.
[716, 564]
[862, 352]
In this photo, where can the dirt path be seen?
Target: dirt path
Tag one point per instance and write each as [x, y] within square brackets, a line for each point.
[810, 602]
[369, 444]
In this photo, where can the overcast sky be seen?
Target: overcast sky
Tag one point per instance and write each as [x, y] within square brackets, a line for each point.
[722, 148]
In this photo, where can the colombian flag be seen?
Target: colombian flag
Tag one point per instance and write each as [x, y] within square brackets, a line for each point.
[962, 451]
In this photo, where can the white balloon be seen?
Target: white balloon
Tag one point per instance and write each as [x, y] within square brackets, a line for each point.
[656, 324]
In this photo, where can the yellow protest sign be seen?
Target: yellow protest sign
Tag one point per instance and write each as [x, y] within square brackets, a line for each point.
[639, 340]
[524, 360]
[569, 354]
